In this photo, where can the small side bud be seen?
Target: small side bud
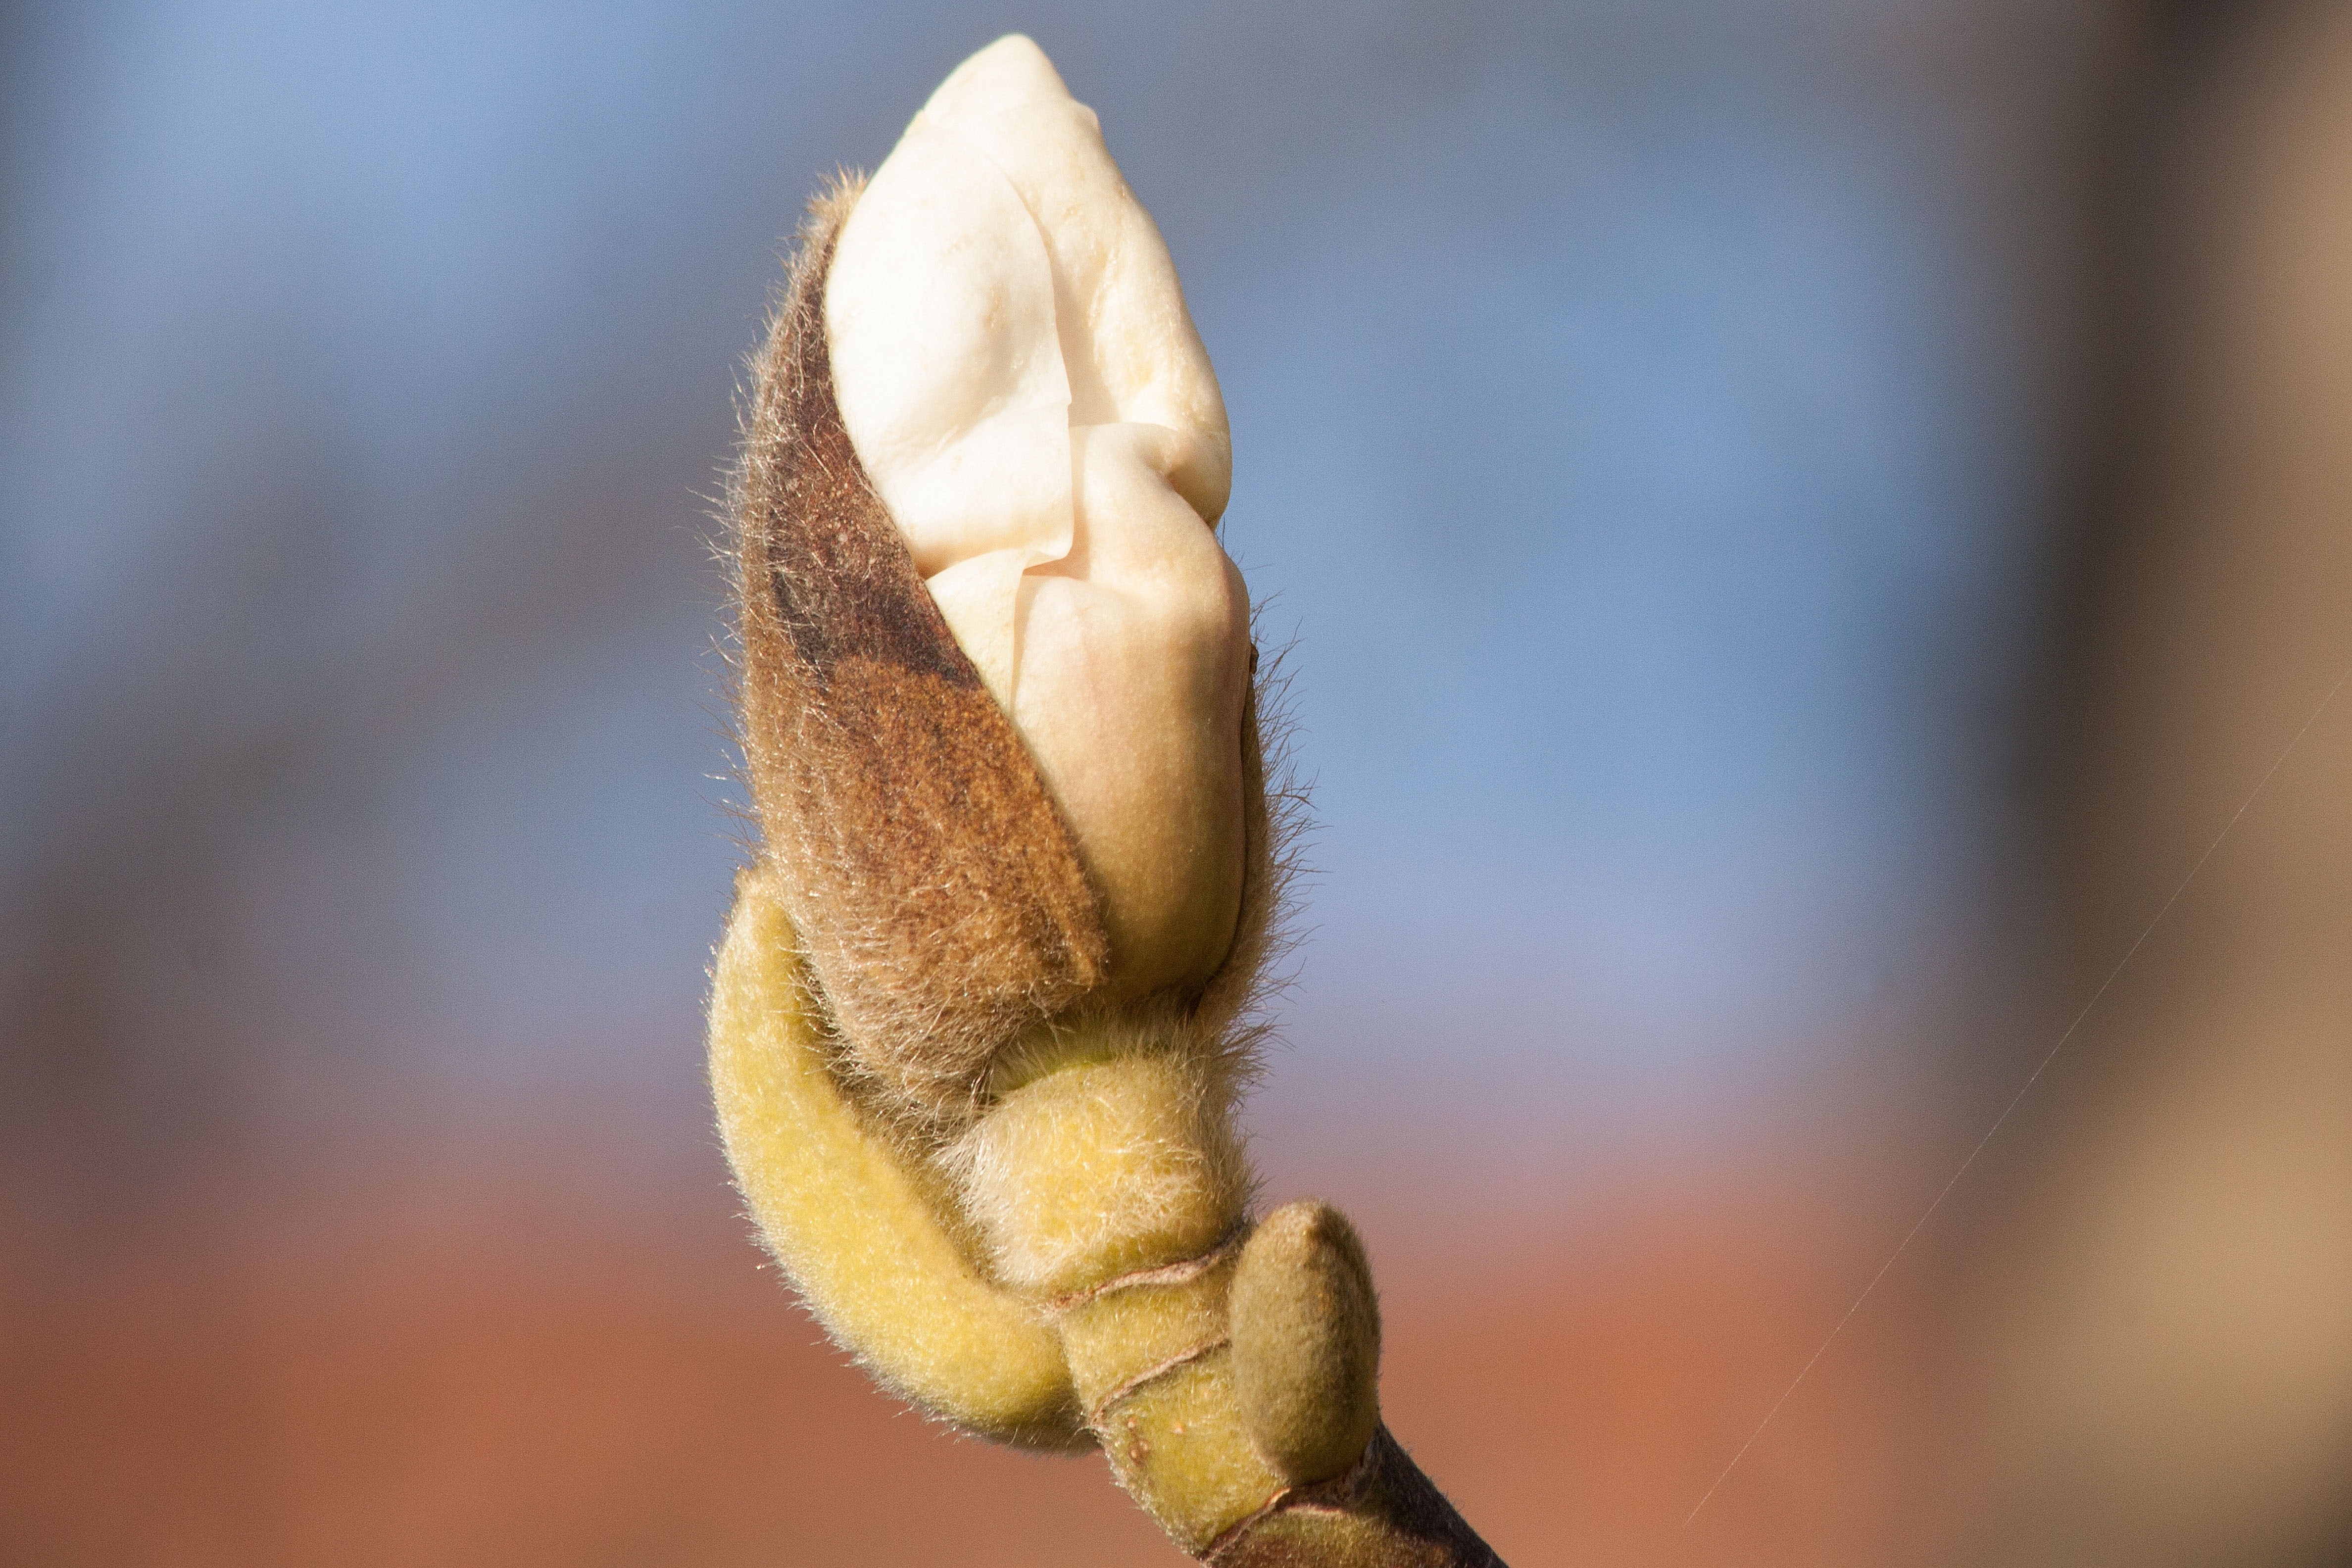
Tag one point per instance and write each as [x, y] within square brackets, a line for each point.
[1307, 1343]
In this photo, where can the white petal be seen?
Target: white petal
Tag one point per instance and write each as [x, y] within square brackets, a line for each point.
[939, 311]
[1018, 373]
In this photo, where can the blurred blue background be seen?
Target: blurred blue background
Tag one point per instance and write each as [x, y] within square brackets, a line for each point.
[1635, 433]
[1643, 438]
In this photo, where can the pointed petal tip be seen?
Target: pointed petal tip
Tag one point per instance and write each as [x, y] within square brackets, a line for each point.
[1009, 72]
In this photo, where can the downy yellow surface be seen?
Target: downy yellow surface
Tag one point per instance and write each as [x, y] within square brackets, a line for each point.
[847, 1220]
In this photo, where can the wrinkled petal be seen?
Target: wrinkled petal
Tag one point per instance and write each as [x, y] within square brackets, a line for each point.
[1018, 373]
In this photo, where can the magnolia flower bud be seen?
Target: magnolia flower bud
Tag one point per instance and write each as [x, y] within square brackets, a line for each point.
[1019, 376]
[979, 1025]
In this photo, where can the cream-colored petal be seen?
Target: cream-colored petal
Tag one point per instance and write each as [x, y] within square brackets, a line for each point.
[946, 361]
[978, 597]
[1020, 376]
[1127, 341]
[1134, 669]
[1005, 75]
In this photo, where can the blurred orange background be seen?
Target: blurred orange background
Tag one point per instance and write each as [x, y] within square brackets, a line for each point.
[390, 1374]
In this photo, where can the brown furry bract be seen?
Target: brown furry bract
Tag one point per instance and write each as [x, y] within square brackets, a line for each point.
[935, 887]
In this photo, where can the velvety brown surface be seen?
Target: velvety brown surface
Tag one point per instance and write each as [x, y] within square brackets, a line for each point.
[922, 853]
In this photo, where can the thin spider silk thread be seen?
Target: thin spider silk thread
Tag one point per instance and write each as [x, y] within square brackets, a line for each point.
[2113, 975]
